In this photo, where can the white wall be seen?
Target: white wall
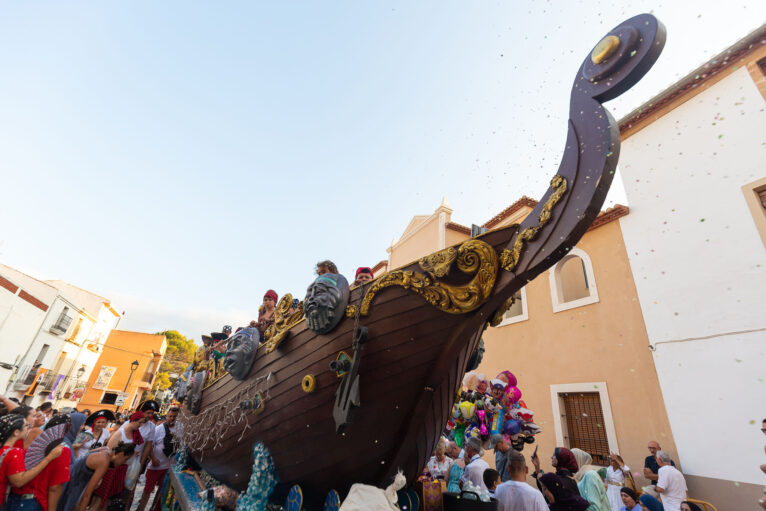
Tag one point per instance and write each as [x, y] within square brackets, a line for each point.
[700, 271]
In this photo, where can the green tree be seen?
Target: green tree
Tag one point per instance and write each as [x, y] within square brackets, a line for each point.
[178, 356]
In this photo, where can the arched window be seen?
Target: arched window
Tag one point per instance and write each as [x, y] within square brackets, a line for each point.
[518, 311]
[572, 283]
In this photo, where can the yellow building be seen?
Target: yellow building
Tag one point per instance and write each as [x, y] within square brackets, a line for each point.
[575, 339]
[126, 368]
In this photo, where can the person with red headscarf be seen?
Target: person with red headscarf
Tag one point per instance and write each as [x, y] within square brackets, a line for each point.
[266, 312]
[363, 275]
[565, 465]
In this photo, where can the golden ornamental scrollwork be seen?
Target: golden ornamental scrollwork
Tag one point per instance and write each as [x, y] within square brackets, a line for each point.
[284, 320]
[438, 263]
[509, 258]
[497, 317]
[473, 257]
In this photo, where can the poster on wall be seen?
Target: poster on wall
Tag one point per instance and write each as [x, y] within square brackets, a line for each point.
[104, 377]
[52, 395]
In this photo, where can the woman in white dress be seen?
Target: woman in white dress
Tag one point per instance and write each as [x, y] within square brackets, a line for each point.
[617, 473]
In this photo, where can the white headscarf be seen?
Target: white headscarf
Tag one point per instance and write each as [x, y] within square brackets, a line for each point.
[584, 462]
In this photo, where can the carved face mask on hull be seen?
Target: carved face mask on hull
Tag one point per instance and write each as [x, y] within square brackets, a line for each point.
[240, 353]
[326, 301]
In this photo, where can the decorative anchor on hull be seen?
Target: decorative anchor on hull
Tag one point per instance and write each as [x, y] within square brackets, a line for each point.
[347, 396]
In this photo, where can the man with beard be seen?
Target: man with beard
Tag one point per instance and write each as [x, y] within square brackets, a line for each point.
[326, 301]
[240, 353]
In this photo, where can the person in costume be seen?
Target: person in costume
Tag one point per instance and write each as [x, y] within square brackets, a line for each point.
[97, 434]
[113, 482]
[589, 482]
[12, 470]
[266, 312]
[363, 274]
[164, 435]
[564, 464]
[629, 500]
[326, 266]
[88, 472]
[559, 495]
[43, 492]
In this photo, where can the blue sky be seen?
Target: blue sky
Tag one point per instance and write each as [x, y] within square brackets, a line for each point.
[181, 158]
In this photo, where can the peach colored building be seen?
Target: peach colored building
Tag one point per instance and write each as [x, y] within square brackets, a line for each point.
[126, 368]
[575, 338]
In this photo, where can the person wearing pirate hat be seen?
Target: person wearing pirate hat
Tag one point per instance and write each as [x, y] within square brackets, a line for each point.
[95, 435]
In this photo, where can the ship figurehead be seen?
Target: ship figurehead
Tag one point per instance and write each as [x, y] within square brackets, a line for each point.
[240, 352]
[326, 301]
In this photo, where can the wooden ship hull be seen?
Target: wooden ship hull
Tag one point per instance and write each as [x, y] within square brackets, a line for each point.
[423, 322]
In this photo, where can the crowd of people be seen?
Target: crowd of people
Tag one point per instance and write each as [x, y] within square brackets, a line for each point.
[573, 484]
[69, 459]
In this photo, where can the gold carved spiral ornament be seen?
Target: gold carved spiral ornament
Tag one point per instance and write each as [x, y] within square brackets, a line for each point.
[473, 257]
[283, 322]
[509, 258]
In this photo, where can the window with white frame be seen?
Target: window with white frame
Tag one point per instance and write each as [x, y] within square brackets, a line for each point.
[518, 311]
[572, 282]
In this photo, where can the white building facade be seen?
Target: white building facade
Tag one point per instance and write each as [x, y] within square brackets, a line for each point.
[51, 334]
[693, 164]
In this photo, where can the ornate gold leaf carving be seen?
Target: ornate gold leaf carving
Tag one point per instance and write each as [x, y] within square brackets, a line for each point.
[509, 258]
[497, 317]
[472, 257]
[283, 322]
[438, 263]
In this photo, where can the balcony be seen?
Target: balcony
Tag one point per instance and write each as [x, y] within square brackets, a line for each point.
[49, 381]
[25, 377]
[61, 325]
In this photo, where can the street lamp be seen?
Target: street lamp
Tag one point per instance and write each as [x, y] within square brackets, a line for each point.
[133, 368]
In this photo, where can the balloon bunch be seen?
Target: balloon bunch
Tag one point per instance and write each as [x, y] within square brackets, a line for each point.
[491, 410]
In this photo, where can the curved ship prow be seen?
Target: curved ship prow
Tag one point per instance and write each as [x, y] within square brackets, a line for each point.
[356, 393]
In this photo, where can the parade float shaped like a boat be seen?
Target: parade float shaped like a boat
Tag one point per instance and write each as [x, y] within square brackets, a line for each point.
[355, 385]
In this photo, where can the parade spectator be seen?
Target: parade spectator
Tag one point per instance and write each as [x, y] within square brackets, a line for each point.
[46, 488]
[453, 450]
[87, 473]
[113, 482]
[649, 503]
[29, 414]
[589, 483]
[763, 429]
[516, 494]
[491, 480]
[629, 500]
[12, 469]
[363, 274]
[47, 410]
[650, 463]
[559, 495]
[98, 434]
[76, 422]
[502, 446]
[326, 266]
[671, 484]
[37, 428]
[475, 466]
[689, 506]
[565, 465]
[617, 475]
[439, 464]
[164, 435]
